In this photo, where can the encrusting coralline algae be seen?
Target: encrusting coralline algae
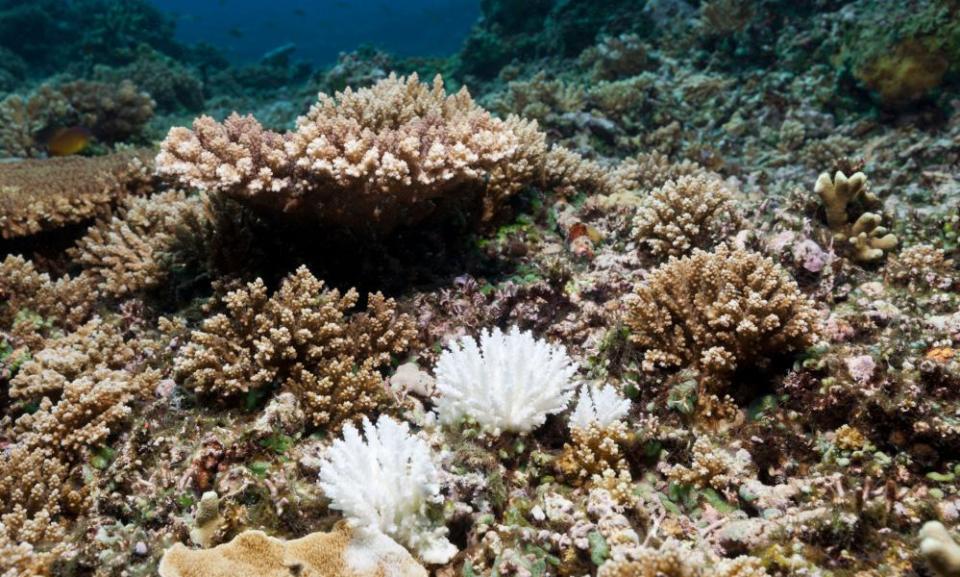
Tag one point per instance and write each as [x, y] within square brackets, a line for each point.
[625, 289]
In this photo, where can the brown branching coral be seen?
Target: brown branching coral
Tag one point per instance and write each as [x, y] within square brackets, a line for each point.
[651, 171]
[691, 212]
[567, 173]
[674, 560]
[130, 252]
[31, 303]
[34, 487]
[867, 239]
[594, 451]
[921, 266]
[40, 195]
[719, 310]
[373, 158]
[303, 339]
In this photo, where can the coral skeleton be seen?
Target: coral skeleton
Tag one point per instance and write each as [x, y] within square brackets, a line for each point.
[387, 483]
[506, 382]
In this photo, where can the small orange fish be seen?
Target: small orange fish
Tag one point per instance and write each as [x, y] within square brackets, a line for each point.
[67, 141]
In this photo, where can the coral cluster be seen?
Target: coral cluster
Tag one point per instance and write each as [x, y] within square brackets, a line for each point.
[303, 339]
[867, 238]
[380, 156]
[720, 311]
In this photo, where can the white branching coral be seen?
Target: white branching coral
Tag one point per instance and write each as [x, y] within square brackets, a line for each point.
[387, 484]
[600, 406]
[506, 382]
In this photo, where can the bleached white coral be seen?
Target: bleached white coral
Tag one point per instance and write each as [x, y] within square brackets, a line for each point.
[386, 484]
[600, 406]
[506, 382]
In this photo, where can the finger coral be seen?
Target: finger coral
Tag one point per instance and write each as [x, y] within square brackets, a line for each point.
[691, 212]
[866, 238]
[131, 252]
[342, 551]
[507, 382]
[386, 484]
[375, 157]
[719, 311]
[40, 195]
[939, 549]
[302, 339]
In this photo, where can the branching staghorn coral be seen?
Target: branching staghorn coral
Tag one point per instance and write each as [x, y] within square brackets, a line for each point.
[507, 382]
[691, 212]
[130, 253]
[302, 339]
[651, 171]
[598, 405]
[31, 303]
[567, 173]
[713, 466]
[40, 195]
[375, 158]
[867, 239]
[596, 451]
[386, 484]
[719, 311]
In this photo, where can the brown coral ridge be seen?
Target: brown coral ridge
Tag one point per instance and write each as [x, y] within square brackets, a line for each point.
[371, 159]
[720, 310]
[42, 195]
[340, 553]
[302, 339]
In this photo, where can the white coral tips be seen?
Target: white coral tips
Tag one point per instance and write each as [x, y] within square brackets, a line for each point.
[601, 406]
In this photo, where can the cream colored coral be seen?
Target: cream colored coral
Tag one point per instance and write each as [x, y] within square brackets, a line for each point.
[939, 549]
[711, 466]
[651, 171]
[303, 339]
[372, 158]
[594, 450]
[867, 238]
[921, 266]
[719, 311]
[126, 254]
[341, 552]
[691, 212]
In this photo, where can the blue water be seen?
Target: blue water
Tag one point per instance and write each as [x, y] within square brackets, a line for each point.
[246, 29]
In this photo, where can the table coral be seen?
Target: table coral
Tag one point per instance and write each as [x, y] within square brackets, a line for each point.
[341, 551]
[304, 339]
[719, 310]
[375, 157]
[41, 195]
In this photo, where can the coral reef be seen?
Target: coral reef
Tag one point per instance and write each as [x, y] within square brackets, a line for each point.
[407, 484]
[253, 553]
[302, 338]
[40, 195]
[375, 157]
[867, 239]
[719, 310]
[508, 381]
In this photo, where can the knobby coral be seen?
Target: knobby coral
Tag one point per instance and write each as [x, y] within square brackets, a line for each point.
[507, 382]
[719, 310]
[691, 212]
[376, 157]
[302, 339]
[867, 239]
[387, 484]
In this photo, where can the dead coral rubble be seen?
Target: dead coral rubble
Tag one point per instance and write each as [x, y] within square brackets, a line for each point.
[719, 310]
[375, 157]
[304, 339]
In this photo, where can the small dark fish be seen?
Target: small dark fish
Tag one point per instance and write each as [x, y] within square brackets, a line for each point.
[68, 141]
[341, 4]
[299, 12]
[235, 32]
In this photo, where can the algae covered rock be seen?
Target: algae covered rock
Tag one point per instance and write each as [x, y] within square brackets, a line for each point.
[341, 552]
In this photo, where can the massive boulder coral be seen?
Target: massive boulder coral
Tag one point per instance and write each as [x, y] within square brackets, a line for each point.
[342, 551]
[719, 311]
[303, 339]
[866, 238]
[374, 158]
